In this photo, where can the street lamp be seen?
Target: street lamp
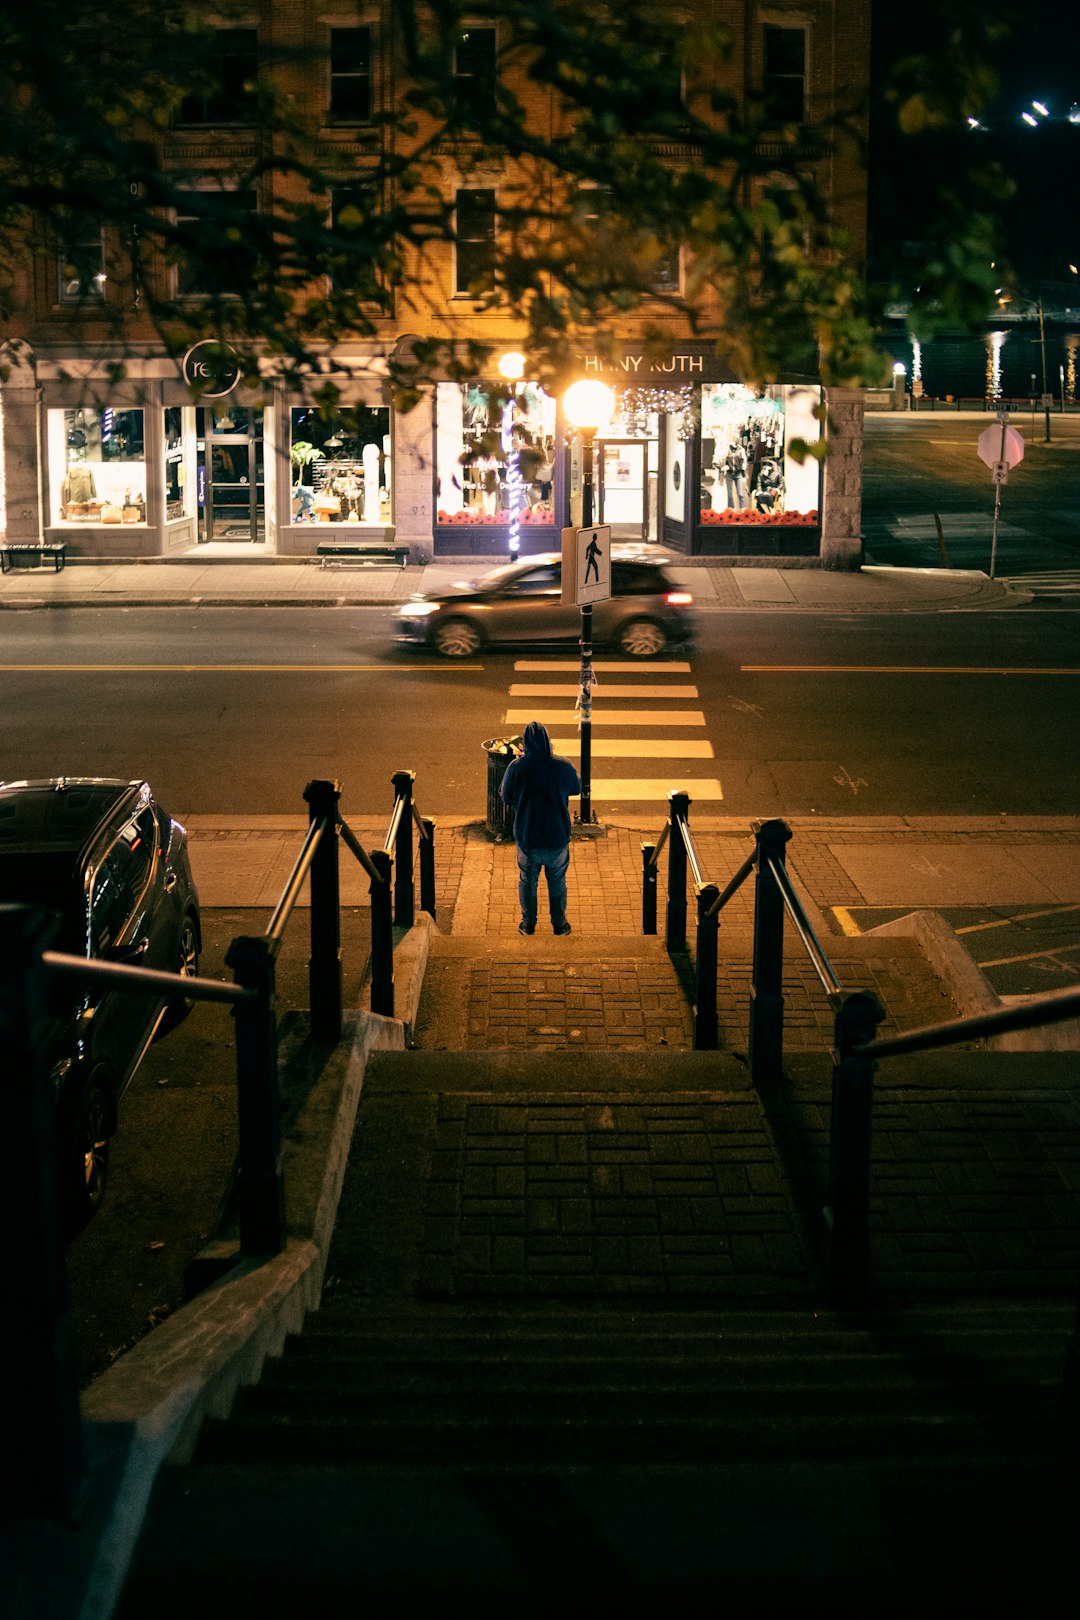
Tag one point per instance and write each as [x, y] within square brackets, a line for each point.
[587, 405]
[512, 367]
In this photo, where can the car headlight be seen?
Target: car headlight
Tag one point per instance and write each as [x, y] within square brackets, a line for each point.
[417, 610]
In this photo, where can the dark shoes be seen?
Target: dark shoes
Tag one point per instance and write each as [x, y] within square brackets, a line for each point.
[526, 928]
[563, 927]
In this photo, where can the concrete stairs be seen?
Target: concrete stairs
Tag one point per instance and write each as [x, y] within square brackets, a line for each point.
[401, 1452]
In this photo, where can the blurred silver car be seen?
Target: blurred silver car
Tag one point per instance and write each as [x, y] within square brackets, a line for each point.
[648, 610]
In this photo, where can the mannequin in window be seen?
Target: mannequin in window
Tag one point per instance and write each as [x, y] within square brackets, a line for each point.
[734, 471]
[78, 487]
[769, 494]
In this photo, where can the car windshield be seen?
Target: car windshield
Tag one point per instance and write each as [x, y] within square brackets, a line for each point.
[49, 879]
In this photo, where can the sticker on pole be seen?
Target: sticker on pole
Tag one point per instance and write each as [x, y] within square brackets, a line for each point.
[586, 576]
[1000, 443]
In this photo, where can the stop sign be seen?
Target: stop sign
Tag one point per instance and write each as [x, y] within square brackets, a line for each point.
[1001, 443]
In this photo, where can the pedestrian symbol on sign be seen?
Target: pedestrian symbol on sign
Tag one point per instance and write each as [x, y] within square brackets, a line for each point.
[587, 565]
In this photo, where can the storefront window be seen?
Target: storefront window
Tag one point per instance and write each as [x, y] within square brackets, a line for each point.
[748, 473]
[97, 466]
[477, 487]
[342, 467]
[180, 484]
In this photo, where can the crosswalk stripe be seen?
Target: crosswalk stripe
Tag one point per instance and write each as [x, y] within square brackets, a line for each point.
[633, 666]
[655, 789]
[530, 690]
[638, 747]
[627, 717]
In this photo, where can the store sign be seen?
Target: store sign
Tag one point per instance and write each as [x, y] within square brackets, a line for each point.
[211, 369]
[690, 361]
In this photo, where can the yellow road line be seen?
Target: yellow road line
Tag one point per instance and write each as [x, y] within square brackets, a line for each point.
[900, 669]
[1030, 956]
[847, 922]
[1021, 916]
[232, 669]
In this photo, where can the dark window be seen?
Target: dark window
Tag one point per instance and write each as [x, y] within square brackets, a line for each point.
[213, 263]
[631, 579]
[227, 92]
[593, 204]
[356, 244]
[350, 75]
[80, 265]
[785, 75]
[474, 68]
[536, 582]
[475, 258]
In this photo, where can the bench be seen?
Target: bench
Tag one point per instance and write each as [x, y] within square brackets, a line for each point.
[362, 554]
[30, 554]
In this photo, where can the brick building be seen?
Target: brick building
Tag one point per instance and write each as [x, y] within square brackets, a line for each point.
[160, 464]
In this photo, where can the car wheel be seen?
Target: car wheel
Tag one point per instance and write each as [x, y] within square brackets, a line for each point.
[642, 638]
[85, 1163]
[187, 958]
[457, 638]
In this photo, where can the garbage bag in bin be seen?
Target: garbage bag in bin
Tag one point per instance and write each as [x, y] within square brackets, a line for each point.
[500, 818]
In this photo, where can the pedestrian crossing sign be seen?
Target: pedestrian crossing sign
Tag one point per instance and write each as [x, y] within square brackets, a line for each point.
[586, 570]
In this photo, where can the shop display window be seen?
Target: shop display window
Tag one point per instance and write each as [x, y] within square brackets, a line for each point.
[341, 466]
[748, 473]
[180, 485]
[97, 466]
[474, 485]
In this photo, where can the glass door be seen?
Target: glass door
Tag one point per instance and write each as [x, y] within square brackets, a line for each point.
[233, 494]
[623, 486]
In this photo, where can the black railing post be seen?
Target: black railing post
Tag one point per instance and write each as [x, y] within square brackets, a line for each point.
[766, 1037]
[382, 935]
[325, 997]
[42, 1452]
[706, 1025]
[404, 896]
[847, 1213]
[648, 888]
[675, 934]
[427, 868]
[259, 1186]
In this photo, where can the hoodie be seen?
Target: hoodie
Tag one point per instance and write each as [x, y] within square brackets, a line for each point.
[537, 787]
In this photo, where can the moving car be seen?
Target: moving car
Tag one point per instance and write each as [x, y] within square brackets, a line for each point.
[106, 859]
[646, 613]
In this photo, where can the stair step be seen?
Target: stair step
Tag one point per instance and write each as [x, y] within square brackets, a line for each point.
[645, 1439]
[505, 1371]
[509, 1070]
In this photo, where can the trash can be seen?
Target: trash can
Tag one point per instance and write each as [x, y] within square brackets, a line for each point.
[500, 818]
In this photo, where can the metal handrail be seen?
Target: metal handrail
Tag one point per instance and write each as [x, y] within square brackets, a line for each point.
[275, 928]
[1052, 1008]
[98, 972]
[660, 842]
[418, 818]
[352, 843]
[691, 852]
[822, 966]
[736, 883]
[395, 822]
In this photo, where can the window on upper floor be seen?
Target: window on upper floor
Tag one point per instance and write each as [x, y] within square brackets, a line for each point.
[351, 209]
[474, 255]
[475, 69]
[222, 265]
[350, 75]
[784, 74]
[80, 265]
[227, 93]
[593, 203]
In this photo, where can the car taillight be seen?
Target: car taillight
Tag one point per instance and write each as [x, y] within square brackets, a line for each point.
[679, 598]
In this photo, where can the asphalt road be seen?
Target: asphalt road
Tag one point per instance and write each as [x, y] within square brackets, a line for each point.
[233, 711]
[917, 465]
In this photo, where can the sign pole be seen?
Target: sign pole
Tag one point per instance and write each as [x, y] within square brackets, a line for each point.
[997, 496]
[585, 695]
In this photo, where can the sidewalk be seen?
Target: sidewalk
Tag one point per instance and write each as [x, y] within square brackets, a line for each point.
[224, 581]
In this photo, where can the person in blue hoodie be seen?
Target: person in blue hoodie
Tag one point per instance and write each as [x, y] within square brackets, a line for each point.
[537, 787]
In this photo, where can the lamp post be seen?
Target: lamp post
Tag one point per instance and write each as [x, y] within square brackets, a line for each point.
[587, 405]
[512, 367]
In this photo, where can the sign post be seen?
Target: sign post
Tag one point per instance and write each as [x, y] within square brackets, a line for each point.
[586, 578]
[1000, 449]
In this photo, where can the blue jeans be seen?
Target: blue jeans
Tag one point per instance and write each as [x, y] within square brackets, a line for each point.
[555, 863]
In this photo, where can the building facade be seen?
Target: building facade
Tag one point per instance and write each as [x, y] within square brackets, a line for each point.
[175, 457]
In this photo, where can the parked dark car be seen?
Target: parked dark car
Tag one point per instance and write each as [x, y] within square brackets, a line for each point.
[647, 612]
[113, 867]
